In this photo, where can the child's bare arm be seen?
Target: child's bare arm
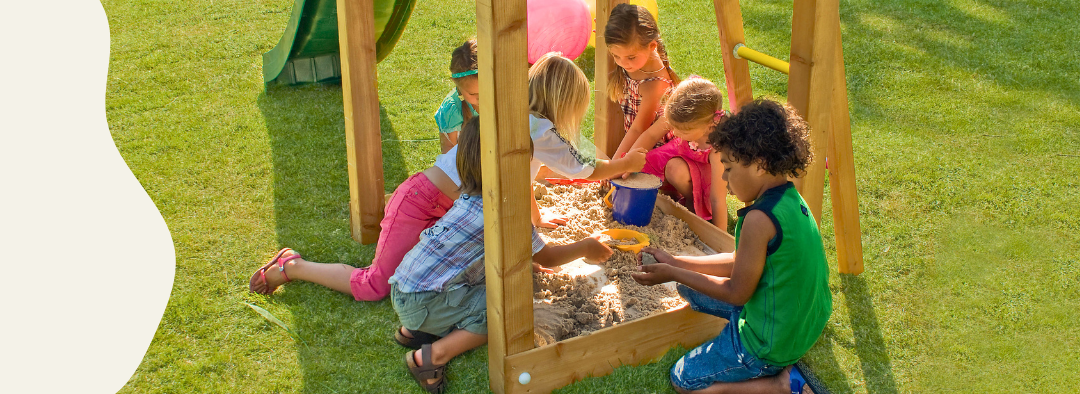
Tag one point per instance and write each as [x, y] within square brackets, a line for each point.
[634, 161]
[648, 139]
[651, 93]
[745, 272]
[718, 192]
[540, 220]
[447, 141]
[717, 264]
[556, 255]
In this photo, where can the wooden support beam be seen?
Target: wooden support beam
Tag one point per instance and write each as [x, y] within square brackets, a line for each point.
[608, 128]
[811, 85]
[845, 199]
[363, 138]
[736, 71]
[504, 126]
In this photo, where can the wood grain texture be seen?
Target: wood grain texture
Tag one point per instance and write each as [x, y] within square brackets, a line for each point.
[504, 129]
[845, 199]
[736, 71]
[608, 128]
[363, 139]
[811, 85]
[597, 354]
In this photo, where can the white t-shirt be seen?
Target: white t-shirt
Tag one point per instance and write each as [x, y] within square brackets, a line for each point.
[551, 150]
[447, 162]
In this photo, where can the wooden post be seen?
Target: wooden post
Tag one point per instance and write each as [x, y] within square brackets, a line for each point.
[811, 85]
[504, 126]
[608, 129]
[736, 71]
[363, 139]
[845, 199]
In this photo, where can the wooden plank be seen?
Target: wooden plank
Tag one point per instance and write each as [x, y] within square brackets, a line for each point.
[845, 199]
[608, 128]
[736, 71]
[811, 84]
[597, 354]
[717, 239]
[504, 125]
[363, 139]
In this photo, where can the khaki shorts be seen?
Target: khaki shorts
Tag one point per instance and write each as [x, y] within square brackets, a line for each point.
[439, 313]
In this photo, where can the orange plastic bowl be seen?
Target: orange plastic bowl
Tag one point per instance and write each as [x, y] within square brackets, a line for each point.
[643, 240]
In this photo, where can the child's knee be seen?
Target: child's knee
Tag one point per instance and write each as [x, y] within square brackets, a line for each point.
[677, 169]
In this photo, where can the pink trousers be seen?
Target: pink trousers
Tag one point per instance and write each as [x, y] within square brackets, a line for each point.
[415, 205]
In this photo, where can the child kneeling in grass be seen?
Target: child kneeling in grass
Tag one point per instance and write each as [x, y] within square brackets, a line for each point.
[774, 290]
[438, 290]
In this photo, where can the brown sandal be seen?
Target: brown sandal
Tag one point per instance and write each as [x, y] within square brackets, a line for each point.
[419, 338]
[426, 371]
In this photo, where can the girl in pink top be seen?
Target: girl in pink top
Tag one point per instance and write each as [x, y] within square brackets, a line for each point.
[691, 170]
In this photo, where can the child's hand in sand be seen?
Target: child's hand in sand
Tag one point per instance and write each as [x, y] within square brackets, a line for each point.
[537, 268]
[550, 220]
[661, 256]
[654, 274]
[596, 250]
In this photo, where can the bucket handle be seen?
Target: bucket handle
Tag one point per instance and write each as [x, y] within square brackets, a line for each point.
[607, 197]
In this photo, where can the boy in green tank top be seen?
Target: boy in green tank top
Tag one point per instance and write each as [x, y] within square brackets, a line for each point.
[774, 290]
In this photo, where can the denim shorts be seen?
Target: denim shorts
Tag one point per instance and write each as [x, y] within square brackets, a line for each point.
[439, 313]
[719, 360]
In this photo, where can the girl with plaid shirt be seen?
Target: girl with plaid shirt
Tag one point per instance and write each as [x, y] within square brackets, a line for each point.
[642, 77]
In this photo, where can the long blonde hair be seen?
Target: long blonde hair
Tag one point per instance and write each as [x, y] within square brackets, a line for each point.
[632, 25]
[559, 92]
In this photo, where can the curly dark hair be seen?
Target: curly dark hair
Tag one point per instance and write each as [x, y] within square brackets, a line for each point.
[767, 132]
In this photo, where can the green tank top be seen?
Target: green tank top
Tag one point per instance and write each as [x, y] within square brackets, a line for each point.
[792, 302]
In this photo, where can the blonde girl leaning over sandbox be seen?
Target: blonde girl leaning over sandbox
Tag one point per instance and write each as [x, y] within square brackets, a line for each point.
[558, 99]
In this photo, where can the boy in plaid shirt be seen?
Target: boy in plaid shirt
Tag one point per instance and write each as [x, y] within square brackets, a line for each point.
[438, 290]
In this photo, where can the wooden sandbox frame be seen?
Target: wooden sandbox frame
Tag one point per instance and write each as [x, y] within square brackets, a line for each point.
[817, 89]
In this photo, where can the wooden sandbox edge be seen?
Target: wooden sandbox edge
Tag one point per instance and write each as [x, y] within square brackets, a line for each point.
[597, 354]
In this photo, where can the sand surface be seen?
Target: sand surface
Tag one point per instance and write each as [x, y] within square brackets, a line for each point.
[585, 296]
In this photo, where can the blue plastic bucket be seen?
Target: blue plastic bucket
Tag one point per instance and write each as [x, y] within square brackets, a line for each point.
[632, 206]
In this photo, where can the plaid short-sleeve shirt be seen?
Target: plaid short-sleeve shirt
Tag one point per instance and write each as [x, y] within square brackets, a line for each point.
[450, 254]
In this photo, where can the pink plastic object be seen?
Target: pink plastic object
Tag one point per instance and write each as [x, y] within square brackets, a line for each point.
[558, 25]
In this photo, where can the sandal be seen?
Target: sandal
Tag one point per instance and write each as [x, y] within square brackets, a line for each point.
[254, 284]
[426, 371]
[419, 338]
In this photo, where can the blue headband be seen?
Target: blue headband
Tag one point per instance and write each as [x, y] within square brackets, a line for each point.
[463, 74]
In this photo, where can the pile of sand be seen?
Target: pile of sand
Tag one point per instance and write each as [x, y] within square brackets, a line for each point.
[584, 296]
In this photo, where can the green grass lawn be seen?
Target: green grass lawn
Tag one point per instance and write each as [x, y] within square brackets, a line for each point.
[966, 130]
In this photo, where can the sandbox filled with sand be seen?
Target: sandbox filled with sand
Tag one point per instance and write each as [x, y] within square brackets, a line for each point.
[584, 296]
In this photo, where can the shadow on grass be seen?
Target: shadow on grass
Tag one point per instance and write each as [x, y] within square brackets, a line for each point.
[869, 344]
[345, 345]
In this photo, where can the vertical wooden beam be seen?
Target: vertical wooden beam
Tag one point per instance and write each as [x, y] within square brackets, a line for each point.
[608, 117]
[811, 85]
[363, 139]
[736, 71]
[504, 126]
[845, 199]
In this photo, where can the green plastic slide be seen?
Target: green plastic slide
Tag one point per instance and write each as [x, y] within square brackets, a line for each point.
[308, 51]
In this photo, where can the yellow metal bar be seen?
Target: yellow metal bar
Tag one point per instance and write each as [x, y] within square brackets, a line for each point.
[744, 52]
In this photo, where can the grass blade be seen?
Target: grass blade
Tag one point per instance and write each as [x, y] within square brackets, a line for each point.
[273, 319]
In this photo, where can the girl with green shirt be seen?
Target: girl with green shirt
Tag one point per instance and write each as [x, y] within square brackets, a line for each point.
[774, 289]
